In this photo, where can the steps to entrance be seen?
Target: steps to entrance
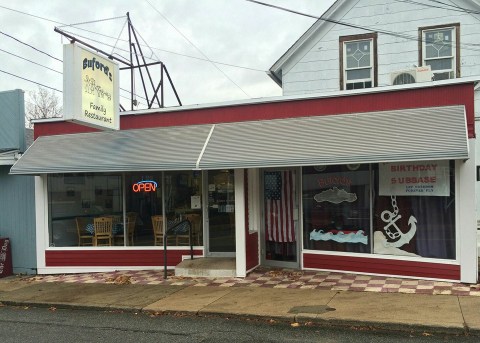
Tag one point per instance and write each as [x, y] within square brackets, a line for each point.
[207, 267]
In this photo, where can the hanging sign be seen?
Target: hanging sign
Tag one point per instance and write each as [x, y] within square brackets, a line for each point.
[90, 88]
[426, 178]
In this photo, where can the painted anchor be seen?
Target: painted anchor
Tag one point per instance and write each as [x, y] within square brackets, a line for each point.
[390, 218]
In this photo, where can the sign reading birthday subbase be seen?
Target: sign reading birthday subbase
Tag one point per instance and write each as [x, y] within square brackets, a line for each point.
[90, 84]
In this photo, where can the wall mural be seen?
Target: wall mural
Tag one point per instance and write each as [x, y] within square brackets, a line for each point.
[337, 196]
[393, 238]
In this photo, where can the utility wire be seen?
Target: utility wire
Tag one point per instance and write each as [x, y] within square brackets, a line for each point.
[365, 28]
[198, 49]
[30, 46]
[28, 80]
[126, 41]
[26, 59]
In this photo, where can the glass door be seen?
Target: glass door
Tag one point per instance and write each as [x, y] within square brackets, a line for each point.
[221, 213]
[280, 207]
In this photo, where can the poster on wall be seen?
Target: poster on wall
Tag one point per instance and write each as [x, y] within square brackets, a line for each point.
[426, 178]
[90, 87]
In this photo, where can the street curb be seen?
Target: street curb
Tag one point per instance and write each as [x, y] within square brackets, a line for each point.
[301, 319]
[343, 323]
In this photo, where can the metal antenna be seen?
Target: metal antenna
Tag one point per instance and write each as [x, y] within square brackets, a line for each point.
[138, 63]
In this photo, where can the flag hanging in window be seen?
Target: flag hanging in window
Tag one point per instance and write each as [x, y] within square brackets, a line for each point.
[279, 192]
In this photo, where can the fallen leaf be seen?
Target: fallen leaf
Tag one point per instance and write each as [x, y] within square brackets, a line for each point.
[52, 309]
[295, 325]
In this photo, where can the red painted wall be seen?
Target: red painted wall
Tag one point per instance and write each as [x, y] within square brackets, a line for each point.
[459, 94]
[382, 266]
[114, 258]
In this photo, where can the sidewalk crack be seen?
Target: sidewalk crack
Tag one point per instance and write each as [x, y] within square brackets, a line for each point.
[465, 326]
[327, 304]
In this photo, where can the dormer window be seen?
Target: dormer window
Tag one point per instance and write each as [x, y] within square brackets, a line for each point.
[358, 61]
[440, 49]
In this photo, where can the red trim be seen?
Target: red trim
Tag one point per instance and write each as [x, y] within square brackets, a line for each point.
[114, 258]
[447, 95]
[252, 250]
[382, 266]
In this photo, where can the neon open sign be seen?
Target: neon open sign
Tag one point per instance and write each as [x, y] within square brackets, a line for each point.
[144, 186]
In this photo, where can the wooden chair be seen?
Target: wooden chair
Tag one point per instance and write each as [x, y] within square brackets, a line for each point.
[103, 231]
[195, 220]
[157, 224]
[130, 230]
[84, 237]
[131, 225]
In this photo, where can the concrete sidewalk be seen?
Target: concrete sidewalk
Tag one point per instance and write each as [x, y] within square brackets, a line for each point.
[393, 311]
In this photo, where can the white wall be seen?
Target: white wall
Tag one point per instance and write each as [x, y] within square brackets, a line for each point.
[315, 67]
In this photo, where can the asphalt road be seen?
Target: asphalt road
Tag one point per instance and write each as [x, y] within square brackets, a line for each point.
[24, 324]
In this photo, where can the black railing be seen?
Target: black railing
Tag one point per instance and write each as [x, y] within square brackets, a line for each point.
[179, 228]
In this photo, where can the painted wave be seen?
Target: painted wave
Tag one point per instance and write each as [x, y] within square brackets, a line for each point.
[340, 237]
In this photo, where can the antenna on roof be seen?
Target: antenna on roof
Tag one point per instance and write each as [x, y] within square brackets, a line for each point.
[136, 63]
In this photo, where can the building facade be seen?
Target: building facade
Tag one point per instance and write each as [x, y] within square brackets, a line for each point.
[17, 193]
[356, 168]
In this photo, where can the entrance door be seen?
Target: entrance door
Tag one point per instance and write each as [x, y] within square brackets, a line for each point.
[221, 213]
[280, 207]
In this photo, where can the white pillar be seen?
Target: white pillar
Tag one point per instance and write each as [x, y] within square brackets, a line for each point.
[240, 245]
[41, 221]
[466, 223]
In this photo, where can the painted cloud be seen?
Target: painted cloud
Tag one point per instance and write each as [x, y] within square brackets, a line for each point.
[335, 196]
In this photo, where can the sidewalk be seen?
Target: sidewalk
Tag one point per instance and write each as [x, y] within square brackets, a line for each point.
[287, 296]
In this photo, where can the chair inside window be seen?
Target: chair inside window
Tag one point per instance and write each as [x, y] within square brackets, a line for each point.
[157, 224]
[103, 231]
[84, 236]
[131, 224]
[130, 231]
[195, 220]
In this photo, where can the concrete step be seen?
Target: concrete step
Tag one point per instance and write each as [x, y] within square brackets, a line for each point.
[207, 267]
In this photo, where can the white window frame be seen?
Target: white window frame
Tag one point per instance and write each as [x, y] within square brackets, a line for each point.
[372, 64]
[453, 57]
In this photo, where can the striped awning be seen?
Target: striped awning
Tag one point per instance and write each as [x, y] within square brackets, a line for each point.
[388, 136]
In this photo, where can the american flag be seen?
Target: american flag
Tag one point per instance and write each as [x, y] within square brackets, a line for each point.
[279, 195]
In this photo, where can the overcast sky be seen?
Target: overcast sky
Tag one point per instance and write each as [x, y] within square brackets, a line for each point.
[233, 32]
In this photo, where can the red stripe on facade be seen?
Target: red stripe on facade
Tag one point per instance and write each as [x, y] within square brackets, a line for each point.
[447, 95]
[382, 266]
[114, 258]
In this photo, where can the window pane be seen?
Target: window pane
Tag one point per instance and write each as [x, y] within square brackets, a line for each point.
[358, 74]
[443, 76]
[75, 200]
[336, 208]
[422, 224]
[438, 43]
[442, 64]
[143, 200]
[183, 201]
[358, 54]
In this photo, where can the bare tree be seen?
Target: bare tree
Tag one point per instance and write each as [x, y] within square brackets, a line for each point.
[42, 104]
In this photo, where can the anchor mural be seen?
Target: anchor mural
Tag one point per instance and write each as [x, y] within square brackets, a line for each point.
[393, 231]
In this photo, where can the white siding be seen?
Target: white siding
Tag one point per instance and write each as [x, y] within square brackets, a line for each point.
[315, 67]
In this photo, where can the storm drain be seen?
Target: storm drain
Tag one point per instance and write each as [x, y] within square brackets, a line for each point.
[316, 309]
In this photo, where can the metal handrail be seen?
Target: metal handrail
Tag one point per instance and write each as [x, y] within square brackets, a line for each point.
[176, 229]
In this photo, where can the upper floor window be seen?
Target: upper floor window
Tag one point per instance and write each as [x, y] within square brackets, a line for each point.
[441, 50]
[358, 61]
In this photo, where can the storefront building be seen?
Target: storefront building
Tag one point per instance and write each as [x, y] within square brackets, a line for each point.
[376, 181]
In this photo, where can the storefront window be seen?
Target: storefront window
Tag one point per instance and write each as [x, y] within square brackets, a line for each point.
[415, 209]
[183, 201]
[412, 211]
[336, 208]
[77, 202]
[144, 202]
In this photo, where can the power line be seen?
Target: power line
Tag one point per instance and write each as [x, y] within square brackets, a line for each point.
[30, 46]
[198, 49]
[26, 59]
[28, 80]
[365, 28]
[126, 41]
